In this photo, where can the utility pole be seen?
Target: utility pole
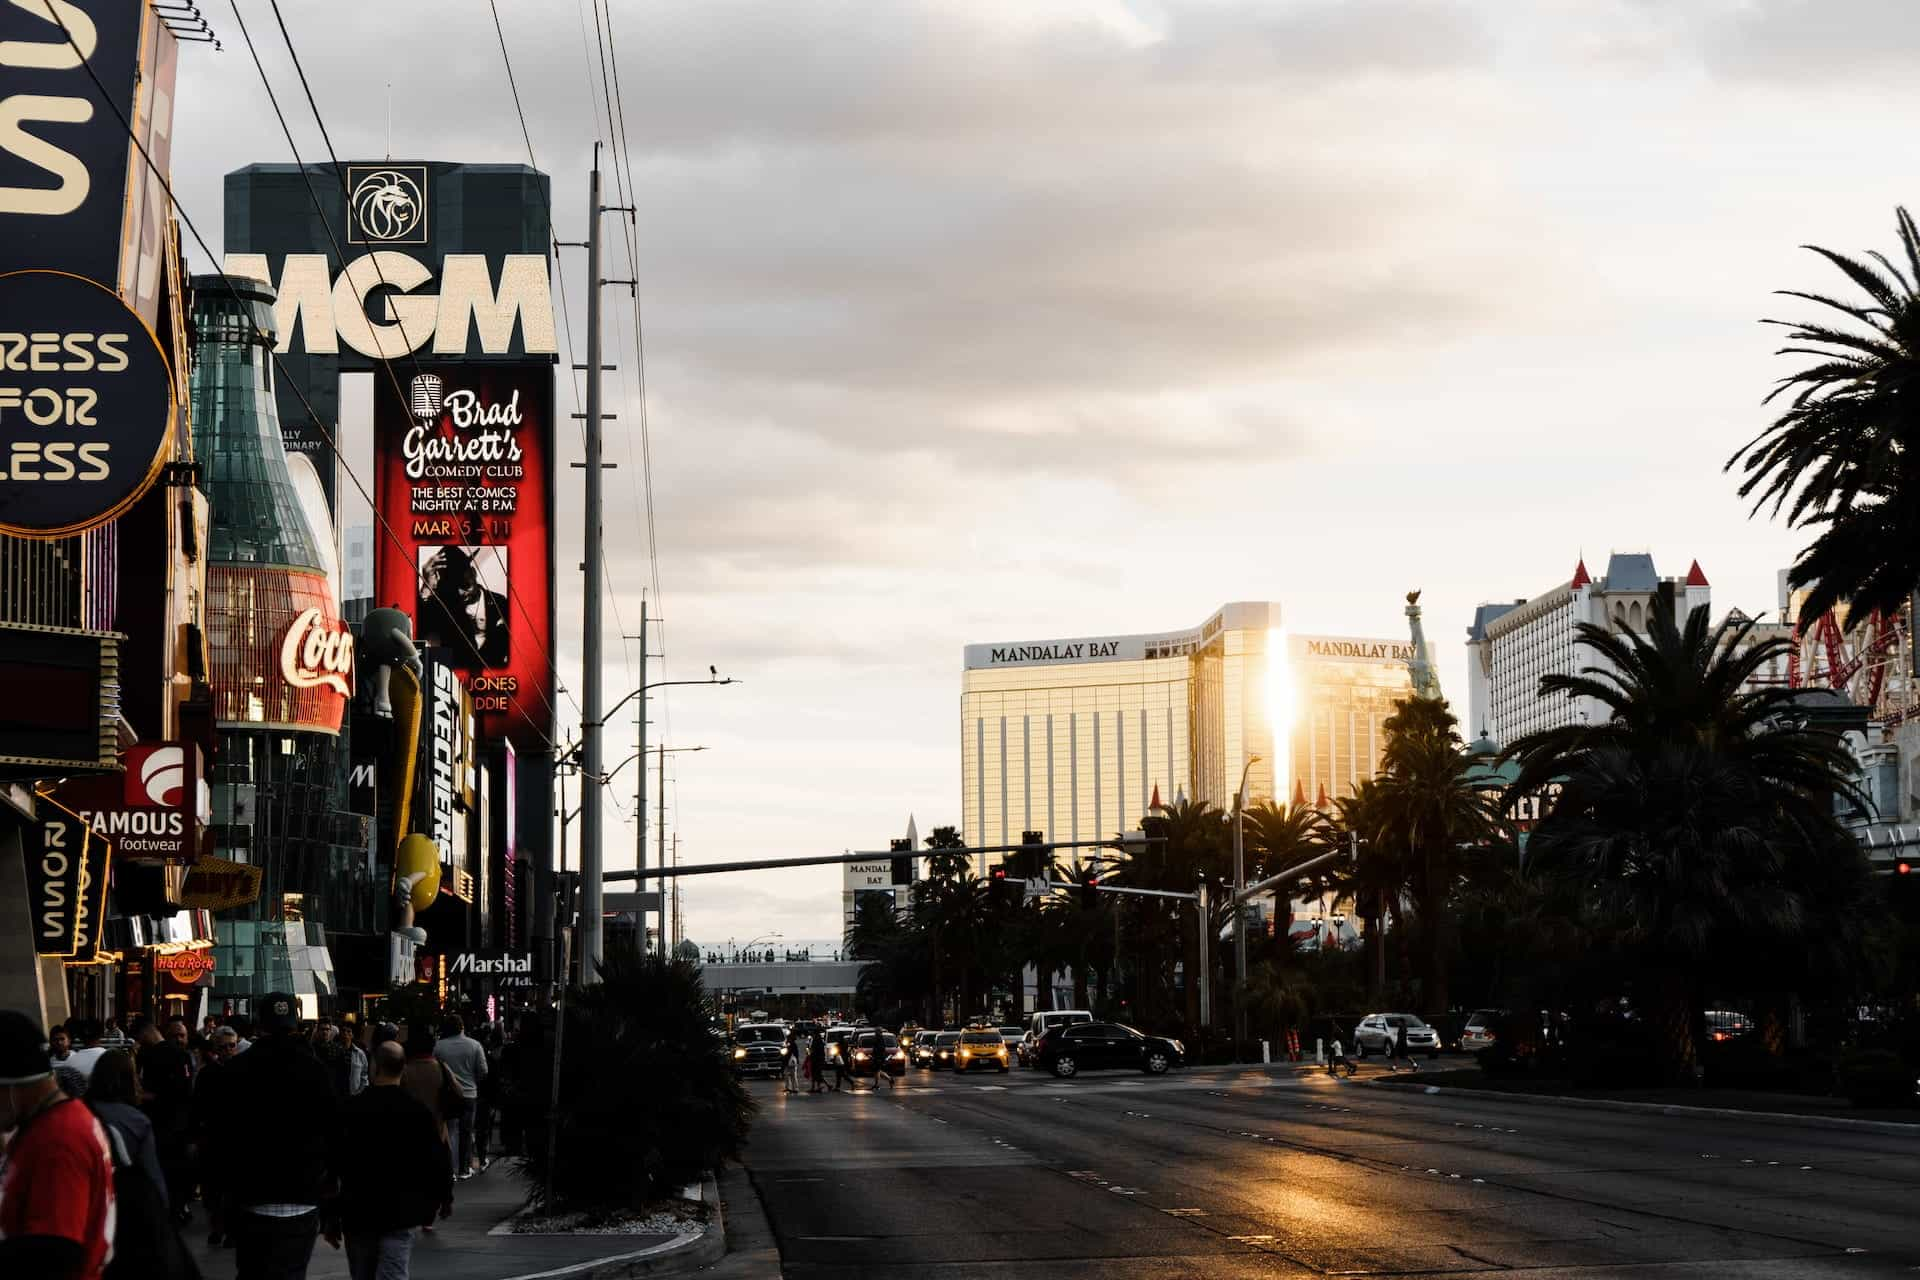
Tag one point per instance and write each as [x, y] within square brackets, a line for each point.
[1240, 909]
[591, 901]
[640, 784]
[592, 557]
[661, 837]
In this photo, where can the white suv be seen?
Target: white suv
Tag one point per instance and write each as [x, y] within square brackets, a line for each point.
[1042, 1023]
[1374, 1031]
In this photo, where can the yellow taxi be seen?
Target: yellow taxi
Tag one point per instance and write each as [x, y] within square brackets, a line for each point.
[981, 1047]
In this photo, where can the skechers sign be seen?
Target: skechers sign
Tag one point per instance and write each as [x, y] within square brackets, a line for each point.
[86, 405]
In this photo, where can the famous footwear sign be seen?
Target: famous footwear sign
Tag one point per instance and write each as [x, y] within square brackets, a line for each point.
[154, 810]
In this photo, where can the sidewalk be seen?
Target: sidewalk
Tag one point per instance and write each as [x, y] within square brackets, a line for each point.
[459, 1248]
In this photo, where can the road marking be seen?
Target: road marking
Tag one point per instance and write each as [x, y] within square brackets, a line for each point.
[799, 1179]
[991, 1088]
[1251, 1239]
[1187, 1213]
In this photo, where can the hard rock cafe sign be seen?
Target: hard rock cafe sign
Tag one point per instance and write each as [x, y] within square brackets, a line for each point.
[189, 968]
[318, 651]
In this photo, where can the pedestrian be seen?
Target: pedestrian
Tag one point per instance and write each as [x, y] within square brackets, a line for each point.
[166, 1079]
[393, 1172]
[272, 1115]
[488, 1105]
[243, 1031]
[113, 1095]
[817, 1061]
[56, 1178]
[464, 1057]
[1337, 1058]
[91, 1035]
[790, 1061]
[842, 1070]
[1397, 1048]
[357, 1064]
[206, 1088]
[59, 1046]
[427, 1080]
[330, 1053]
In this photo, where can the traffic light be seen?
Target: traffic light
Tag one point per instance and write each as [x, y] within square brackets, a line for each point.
[1089, 890]
[999, 887]
[902, 860]
[1903, 868]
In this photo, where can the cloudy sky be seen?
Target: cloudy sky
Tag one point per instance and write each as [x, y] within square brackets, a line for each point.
[1014, 319]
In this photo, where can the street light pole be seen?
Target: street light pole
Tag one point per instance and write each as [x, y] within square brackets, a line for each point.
[1240, 909]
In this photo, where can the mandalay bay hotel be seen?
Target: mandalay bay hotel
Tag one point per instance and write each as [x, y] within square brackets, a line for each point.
[1075, 738]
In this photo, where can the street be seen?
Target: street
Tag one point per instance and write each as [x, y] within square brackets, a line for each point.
[1229, 1173]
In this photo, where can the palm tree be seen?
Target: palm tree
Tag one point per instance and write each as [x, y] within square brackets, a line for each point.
[1376, 879]
[1844, 456]
[1429, 814]
[1697, 817]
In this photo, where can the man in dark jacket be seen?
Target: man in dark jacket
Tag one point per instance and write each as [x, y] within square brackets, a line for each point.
[166, 1077]
[270, 1117]
[393, 1172]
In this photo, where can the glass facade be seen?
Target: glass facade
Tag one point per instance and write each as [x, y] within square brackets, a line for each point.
[1344, 690]
[1073, 738]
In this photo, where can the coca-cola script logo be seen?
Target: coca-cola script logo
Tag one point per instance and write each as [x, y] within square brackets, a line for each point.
[318, 651]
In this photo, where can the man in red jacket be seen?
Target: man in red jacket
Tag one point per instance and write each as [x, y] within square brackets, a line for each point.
[56, 1177]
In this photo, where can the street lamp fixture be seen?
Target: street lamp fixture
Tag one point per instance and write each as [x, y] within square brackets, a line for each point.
[1240, 908]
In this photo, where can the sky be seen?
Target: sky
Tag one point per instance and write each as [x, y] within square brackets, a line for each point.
[1011, 320]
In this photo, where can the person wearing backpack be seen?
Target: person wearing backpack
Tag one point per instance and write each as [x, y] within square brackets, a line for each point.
[146, 1236]
[56, 1176]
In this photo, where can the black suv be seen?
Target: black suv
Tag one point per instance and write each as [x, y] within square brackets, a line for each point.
[1091, 1046]
[759, 1050]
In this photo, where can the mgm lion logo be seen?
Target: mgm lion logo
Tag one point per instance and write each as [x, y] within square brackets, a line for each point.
[388, 204]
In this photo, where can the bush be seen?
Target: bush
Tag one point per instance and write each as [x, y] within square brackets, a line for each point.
[648, 1100]
[1877, 1078]
[1744, 1063]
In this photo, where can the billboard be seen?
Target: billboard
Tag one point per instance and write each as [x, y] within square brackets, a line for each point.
[463, 478]
[432, 261]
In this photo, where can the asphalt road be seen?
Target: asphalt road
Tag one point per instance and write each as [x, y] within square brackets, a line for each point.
[1227, 1174]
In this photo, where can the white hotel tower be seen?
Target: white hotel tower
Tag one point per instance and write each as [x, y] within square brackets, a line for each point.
[1510, 646]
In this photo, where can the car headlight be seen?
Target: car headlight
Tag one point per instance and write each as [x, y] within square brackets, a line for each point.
[739, 1053]
[1179, 1048]
[966, 1053]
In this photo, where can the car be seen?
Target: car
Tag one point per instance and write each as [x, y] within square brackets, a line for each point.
[921, 1053]
[980, 1047]
[758, 1050]
[1727, 1024]
[1092, 1046]
[876, 1051]
[909, 1033]
[837, 1037]
[1043, 1022]
[1012, 1036]
[1480, 1031]
[941, 1051]
[1371, 1035]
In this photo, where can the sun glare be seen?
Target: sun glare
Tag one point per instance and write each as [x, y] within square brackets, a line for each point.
[1280, 696]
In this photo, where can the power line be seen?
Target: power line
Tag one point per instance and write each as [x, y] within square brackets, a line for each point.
[260, 334]
[413, 358]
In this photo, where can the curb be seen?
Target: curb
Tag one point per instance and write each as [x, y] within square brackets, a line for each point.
[1896, 1128]
[682, 1253]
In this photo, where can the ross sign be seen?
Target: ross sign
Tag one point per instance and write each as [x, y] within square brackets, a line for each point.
[215, 884]
[317, 652]
[462, 475]
[471, 314]
[91, 905]
[86, 405]
[190, 968]
[56, 858]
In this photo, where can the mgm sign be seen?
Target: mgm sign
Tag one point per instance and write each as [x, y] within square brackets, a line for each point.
[442, 262]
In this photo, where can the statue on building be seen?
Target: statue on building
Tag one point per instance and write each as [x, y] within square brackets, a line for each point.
[1426, 681]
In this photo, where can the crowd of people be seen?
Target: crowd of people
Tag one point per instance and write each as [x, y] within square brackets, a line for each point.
[282, 1130]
